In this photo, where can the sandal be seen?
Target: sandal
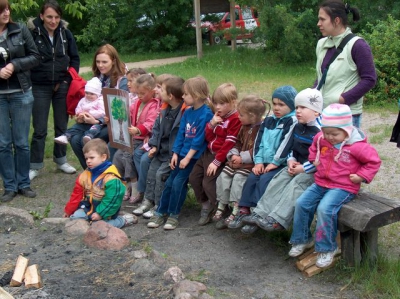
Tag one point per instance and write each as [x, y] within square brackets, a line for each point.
[136, 199]
[229, 219]
[127, 194]
[218, 215]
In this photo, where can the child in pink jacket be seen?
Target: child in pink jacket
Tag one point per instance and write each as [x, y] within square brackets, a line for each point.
[344, 160]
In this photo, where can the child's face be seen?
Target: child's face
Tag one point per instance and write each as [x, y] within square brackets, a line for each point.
[189, 101]
[94, 159]
[223, 109]
[334, 135]
[246, 118]
[280, 108]
[165, 97]
[131, 83]
[91, 96]
[157, 91]
[305, 115]
[144, 94]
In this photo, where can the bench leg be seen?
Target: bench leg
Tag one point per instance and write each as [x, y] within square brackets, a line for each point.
[350, 246]
[369, 246]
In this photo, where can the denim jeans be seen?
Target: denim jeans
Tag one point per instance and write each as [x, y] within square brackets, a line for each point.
[142, 162]
[15, 119]
[327, 203]
[118, 222]
[357, 120]
[45, 96]
[175, 190]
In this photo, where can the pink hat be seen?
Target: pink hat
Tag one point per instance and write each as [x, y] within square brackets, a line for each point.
[338, 116]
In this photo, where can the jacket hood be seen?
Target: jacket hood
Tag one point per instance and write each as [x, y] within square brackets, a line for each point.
[33, 23]
[356, 136]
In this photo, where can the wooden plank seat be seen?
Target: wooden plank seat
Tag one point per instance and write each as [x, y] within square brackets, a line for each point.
[358, 223]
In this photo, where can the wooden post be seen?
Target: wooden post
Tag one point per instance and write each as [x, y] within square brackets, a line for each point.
[233, 24]
[199, 39]
[350, 244]
[369, 246]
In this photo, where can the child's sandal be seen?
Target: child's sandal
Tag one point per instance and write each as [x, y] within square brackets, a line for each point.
[127, 194]
[218, 215]
[229, 219]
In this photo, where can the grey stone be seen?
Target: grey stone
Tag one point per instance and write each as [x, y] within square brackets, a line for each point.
[174, 274]
[12, 218]
[145, 268]
[139, 254]
[194, 288]
[77, 227]
[59, 220]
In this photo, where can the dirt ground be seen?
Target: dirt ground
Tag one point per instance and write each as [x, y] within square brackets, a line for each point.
[229, 263]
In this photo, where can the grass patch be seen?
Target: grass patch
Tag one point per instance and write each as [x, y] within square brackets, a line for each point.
[380, 133]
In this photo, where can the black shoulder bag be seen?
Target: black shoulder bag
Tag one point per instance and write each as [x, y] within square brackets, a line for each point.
[338, 51]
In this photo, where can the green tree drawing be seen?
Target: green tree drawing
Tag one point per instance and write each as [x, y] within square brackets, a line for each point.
[118, 111]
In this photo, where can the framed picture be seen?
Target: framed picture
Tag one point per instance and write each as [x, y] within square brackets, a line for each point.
[116, 104]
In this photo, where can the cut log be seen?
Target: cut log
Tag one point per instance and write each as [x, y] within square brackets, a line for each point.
[19, 271]
[307, 262]
[313, 270]
[4, 294]
[305, 254]
[32, 277]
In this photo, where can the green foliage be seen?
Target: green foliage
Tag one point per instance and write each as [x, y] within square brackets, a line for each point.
[385, 44]
[118, 110]
[38, 216]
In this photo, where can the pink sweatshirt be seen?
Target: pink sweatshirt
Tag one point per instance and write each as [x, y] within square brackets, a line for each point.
[356, 157]
[94, 108]
[145, 120]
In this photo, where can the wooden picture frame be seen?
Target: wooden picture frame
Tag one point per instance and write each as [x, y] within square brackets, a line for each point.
[116, 104]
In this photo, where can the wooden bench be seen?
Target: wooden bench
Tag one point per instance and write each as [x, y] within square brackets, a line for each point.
[358, 224]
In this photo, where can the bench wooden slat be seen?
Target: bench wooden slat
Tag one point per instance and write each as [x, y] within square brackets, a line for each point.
[394, 203]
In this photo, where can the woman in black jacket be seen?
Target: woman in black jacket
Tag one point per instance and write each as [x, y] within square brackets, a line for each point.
[18, 54]
[58, 52]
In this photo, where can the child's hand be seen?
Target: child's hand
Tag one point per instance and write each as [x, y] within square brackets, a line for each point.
[106, 119]
[184, 162]
[212, 169]
[174, 161]
[65, 215]
[152, 152]
[133, 131]
[258, 169]
[95, 217]
[235, 159]
[270, 167]
[296, 169]
[292, 167]
[356, 179]
[216, 119]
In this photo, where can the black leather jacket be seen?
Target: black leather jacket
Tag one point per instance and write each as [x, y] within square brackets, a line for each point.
[56, 57]
[23, 53]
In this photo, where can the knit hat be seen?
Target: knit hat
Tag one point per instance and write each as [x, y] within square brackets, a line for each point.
[338, 116]
[310, 98]
[93, 86]
[286, 94]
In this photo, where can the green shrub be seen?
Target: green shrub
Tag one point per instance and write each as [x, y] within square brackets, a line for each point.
[385, 45]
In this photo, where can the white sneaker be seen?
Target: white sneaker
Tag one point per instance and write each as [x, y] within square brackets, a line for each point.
[298, 249]
[33, 173]
[86, 139]
[325, 259]
[150, 213]
[61, 139]
[66, 168]
[144, 207]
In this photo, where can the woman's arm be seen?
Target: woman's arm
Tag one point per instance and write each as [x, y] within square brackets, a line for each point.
[31, 58]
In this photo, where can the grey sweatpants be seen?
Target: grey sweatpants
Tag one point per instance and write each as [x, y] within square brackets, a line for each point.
[280, 197]
[156, 177]
[229, 189]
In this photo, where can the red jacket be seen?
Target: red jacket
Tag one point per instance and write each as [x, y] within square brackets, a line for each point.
[223, 136]
[145, 120]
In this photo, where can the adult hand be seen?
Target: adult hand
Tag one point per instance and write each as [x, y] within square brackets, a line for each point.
[89, 119]
[7, 71]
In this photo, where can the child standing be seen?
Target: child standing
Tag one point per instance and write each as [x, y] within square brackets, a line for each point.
[240, 159]
[98, 191]
[161, 142]
[344, 160]
[221, 135]
[275, 209]
[272, 148]
[188, 146]
[91, 105]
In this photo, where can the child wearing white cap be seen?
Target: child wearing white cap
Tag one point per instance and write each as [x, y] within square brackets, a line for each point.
[92, 104]
[344, 160]
[275, 209]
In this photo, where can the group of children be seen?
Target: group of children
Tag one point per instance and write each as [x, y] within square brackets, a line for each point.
[246, 171]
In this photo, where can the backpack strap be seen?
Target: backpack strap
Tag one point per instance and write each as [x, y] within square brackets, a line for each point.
[335, 55]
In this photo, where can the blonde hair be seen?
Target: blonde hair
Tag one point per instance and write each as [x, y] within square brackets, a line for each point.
[136, 72]
[161, 78]
[198, 88]
[97, 145]
[147, 81]
[225, 93]
[253, 105]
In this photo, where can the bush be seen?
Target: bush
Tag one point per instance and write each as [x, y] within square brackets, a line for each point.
[383, 38]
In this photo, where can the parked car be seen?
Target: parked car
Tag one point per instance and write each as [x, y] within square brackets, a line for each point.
[246, 22]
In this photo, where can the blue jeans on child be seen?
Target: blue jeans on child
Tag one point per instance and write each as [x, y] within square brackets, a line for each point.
[142, 162]
[175, 190]
[327, 202]
[80, 214]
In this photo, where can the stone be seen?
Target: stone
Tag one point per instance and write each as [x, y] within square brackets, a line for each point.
[77, 227]
[58, 220]
[158, 259]
[139, 254]
[184, 296]
[104, 236]
[11, 218]
[194, 288]
[145, 268]
[174, 274]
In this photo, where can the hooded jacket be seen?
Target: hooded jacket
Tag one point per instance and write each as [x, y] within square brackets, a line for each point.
[56, 57]
[22, 54]
[356, 156]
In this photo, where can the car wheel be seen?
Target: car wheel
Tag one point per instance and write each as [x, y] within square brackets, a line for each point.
[217, 39]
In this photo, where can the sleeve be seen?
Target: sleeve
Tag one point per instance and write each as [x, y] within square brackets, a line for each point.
[286, 144]
[154, 140]
[230, 141]
[31, 57]
[369, 158]
[79, 108]
[74, 60]
[362, 56]
[259, 147]
[123, 84]
[76, 196]
[198, 140]
[313, 148]
[111, 202]
[98, 110]
[180, 137]
[150, 117]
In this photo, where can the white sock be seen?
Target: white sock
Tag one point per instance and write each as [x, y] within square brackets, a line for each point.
[134, 191]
